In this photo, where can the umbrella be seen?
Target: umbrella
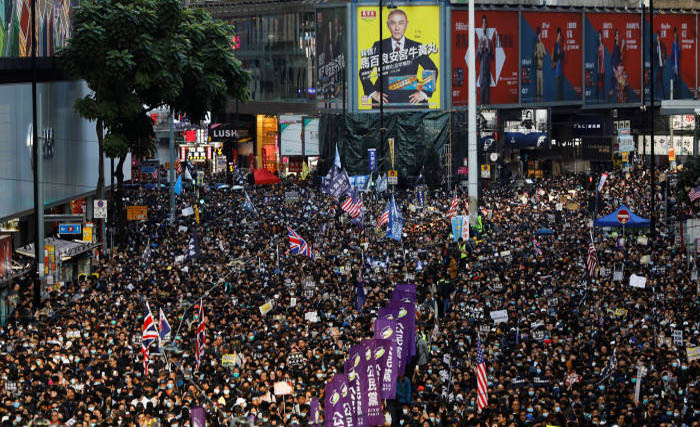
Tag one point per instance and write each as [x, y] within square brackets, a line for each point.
[544, 232]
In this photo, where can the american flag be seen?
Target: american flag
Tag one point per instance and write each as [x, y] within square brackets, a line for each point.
[352, 205]
[178, 166]
[384, 218]
[201, 334]
[536, 247]
[453, 207]
[466, 206]
[481, 384]
[297, 245]
[592, 260]
[149, 334]
[694, 194]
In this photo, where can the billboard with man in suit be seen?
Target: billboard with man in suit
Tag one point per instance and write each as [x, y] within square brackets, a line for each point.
[410, 49]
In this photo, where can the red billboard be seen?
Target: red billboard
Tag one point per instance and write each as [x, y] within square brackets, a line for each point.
[613, 58]
[496, 42]
[551, 56]
[673, 56]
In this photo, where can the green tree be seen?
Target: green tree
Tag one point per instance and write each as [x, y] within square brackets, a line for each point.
[138, 55]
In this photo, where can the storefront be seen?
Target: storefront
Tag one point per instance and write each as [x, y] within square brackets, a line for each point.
[65, 260]
[267, 147]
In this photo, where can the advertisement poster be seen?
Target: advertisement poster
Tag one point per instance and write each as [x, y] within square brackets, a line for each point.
[496, 42]
[672, 56]
[330, 58]
[290, 135]
[410, 52]
[613, 58]
[552, 56]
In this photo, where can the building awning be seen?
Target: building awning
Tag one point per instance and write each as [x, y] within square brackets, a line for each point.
[64, 249]
[676, 107]
[14, 272]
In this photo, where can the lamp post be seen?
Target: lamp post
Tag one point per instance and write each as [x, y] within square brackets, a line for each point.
[38, 197]
[652, 165]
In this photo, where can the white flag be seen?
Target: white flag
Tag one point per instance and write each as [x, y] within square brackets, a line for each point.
[601, 183]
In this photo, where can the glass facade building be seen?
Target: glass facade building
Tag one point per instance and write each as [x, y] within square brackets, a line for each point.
[278, 50]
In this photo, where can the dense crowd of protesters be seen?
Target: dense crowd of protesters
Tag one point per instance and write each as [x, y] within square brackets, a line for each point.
[567, 355]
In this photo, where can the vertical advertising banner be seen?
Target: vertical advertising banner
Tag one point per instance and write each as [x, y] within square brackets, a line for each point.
[410, 53]
[672, 56]
[551, 57]
[330, 57]
[613, 58]
[496, 57]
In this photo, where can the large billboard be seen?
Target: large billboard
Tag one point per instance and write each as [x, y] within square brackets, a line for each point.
[53, 27]
[613, 58]
[672, 56]
[330, 57]
[551, 57]
[291, 128]
[496, 41]
[410, 52]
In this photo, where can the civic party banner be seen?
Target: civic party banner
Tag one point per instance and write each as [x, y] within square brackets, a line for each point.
[352, 368]
[388, 317]
[496, 41]
[613, 58]
[410, 53]
[375, 415]
[385, 360]
[551, 57]
[672, 55]
[337, 402]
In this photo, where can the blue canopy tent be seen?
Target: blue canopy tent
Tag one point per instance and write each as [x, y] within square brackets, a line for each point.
[612, 221]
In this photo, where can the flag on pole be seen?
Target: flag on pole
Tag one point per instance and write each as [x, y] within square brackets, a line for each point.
[336, 160]
[361, 297]
[536, 247]
[201, 334]
[297, 245]
[147, 250]
[610, 368]
[382, 183]
[304, 170]
[592, 259]
[453, 207]
[694, 194]
[352, 205]
[420, 197]
[193, 247]
[148, 335]
[178, 185]
[384, 218]
[164, 327]
[601, 183]
[395, 228]
[481, 382]
[188, 176]
[178, 166]
[248, 204]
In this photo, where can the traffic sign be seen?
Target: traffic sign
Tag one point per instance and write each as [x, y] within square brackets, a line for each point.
[99, 209]
[623, 215]
[136, 213]
[393, 176]
[70, 229]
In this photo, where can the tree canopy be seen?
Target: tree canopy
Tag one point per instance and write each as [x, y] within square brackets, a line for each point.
[137, 55]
